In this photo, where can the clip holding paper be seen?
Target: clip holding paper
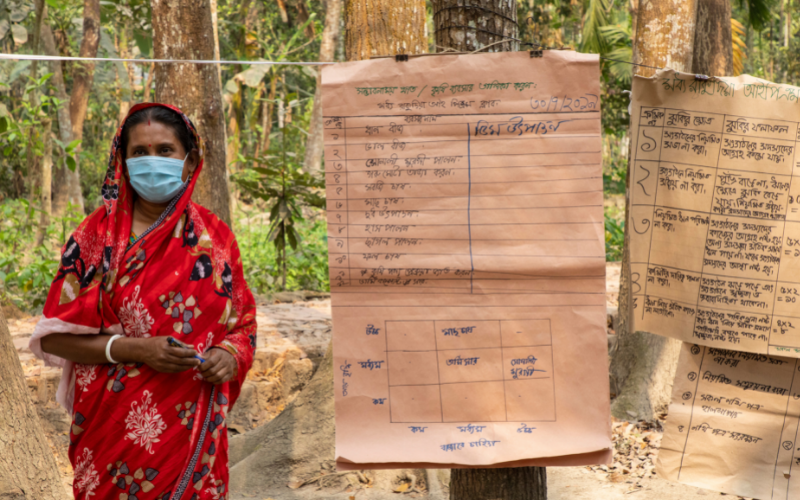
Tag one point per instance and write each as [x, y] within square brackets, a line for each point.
[401, 58]
[536, 53]
[703, 78]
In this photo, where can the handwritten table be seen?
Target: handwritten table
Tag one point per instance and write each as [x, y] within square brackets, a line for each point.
[715, 254]
[733, 423]
[466, 260]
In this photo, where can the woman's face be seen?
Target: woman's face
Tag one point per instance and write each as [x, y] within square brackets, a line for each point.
[156, 139]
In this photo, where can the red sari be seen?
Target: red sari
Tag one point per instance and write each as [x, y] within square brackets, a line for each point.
[138, 434]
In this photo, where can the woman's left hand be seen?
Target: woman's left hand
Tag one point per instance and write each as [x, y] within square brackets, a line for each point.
[219, 366]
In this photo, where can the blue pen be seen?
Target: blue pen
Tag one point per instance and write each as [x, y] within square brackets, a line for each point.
[177, 343]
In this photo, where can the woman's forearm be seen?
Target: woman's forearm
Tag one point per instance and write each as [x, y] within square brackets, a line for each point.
[90, 349]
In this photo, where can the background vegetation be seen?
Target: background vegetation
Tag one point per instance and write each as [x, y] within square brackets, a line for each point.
[281, 227]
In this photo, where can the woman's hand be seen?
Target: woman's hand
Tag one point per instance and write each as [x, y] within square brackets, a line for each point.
[219, 366]
[159, 355]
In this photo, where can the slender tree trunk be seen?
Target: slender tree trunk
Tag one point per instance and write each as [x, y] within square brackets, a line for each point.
[45, 192]
[643, 365]
[82, 79]
[60, 177]
[521, 483]
[384, 28]
[713, 45]
[31, 160]
[470, 26]
[183, 29]
[148, 83]
[126, 101]
[315, 143]
[28, 469]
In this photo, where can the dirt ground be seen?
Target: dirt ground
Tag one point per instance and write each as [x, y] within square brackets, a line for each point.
[293, 337]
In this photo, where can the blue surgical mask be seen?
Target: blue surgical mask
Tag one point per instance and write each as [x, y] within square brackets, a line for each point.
[155, 178]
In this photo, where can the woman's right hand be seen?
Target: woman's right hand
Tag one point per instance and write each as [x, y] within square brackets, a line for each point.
[159, 355]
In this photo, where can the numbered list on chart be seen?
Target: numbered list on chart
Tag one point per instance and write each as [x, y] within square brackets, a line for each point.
[715, 212]
[465, 235]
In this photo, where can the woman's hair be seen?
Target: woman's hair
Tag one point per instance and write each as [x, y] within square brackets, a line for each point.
[164, 116]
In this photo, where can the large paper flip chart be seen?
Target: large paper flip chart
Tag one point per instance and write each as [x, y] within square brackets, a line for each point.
[466, 247]
[715, 212]
[733, 423]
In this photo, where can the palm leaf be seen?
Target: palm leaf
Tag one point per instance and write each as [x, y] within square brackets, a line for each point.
[595, 19]
[739, 47]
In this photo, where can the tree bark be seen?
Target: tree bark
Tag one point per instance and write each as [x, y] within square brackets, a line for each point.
[498, 17]
[384, 28]
[643, 365]
[475, 25]
[519, 483]
[28, 469]
[45, 191]
[62, 173]
[184, 29]
[82, 79]
[665, 36]
[713, 45]
[315, 143]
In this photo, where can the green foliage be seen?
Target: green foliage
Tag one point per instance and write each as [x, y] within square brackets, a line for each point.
[307, 265]
[26, 270]
[285, 190]
[594, 20]
[615, 234]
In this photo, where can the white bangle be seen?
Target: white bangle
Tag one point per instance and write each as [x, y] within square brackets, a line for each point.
[108, 348]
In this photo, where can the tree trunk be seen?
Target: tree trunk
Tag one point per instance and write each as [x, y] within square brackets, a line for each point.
[498, 17]
[467, 27]
[28, 469]
[713, 45]
[519, 483]
[184, 29]
[61, 174]
[315, 142]
[643, 365]
[82, 79]
[384, 28]
[45, 191]
[665, 35]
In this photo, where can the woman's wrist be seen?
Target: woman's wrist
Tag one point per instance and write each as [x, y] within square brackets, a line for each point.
[126, 350]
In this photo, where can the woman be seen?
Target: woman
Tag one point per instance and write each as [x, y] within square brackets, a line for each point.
[149, 418]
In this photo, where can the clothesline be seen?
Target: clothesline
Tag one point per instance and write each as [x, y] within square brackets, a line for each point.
[35, 57]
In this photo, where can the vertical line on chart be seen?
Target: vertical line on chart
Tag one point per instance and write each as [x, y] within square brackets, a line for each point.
[655, 200]
[797, 428]
[703, 260]
[783, 427]
[691, 412]
[388, 381]
[783, 239]
[436, 346]
[469, 200]
[347, 205]
[503, 366]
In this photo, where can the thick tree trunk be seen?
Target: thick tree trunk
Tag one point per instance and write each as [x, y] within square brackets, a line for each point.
[519, 483]
[315, 143]
[713, 45]
[471, 26]
[495, 24]
[184, 29]
[28, 469]
[384, 28]
[643, 365]
[61, 173]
